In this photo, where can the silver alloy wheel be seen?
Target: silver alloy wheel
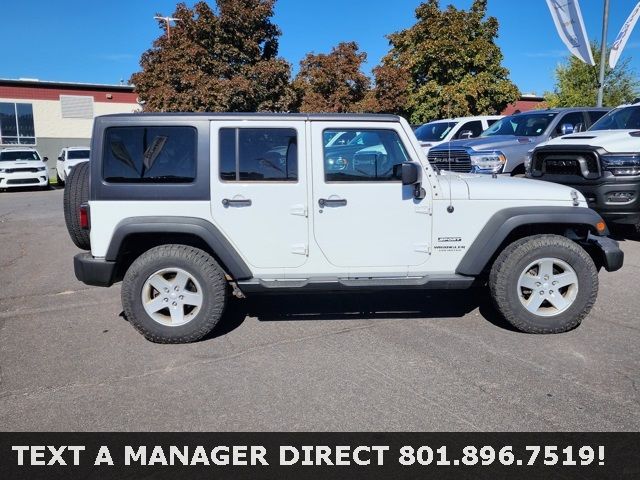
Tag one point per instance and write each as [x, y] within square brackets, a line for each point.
[548, 287]
[172, 297]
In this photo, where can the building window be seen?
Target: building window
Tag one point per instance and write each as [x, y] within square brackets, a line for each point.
[16, 124]
[76, 106]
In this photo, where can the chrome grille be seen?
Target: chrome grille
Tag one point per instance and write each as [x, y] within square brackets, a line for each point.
[454, 160]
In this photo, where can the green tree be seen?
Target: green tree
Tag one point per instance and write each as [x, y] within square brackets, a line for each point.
[332, 82]
[217, 60]
[446, 64]
[577, 83]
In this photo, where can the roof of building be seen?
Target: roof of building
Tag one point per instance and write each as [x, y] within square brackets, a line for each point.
[34, 82]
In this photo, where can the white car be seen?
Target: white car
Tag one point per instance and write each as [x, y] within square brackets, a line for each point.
[440, 131]
[67, 159]
[185, 209]
[22, 167]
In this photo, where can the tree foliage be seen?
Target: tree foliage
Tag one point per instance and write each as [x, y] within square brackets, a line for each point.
[577, 83]
[332, 82]
[222, 60]
[447, 64]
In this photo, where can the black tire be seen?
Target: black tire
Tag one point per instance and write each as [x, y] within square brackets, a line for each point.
[511, 263]
[196, 263]
[76, 192]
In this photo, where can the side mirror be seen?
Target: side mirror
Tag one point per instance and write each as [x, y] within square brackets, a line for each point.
[45, 159]
[61, 159]
[465, 134]
[566, 128]
[407, 172]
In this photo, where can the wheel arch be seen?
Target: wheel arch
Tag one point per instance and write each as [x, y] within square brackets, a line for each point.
[134, 236]
[511, 224]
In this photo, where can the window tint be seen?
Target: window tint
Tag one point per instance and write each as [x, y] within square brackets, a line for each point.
[596, 115]
[369, 157]
[77, 154]
[492, 121]
[150, 154]
[474, 127]
[258, 154]
[575, 119]
[434, 131]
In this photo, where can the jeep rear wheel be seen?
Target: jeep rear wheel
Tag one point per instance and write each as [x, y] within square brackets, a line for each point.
[174, 294]
[544, 284]
[76, 192]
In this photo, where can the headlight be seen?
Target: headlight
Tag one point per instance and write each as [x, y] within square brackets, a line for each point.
[621, 164]
[487, 162]
[527, 161]
[339, 163]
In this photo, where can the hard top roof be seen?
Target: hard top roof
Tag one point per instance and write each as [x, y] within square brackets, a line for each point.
[331, 117]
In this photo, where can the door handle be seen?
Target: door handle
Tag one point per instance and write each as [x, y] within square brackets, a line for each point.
[332, 202]
[236, 202]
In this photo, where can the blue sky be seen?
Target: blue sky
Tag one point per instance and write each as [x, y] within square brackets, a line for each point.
[101, 41]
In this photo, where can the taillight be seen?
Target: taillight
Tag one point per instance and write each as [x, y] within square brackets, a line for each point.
[84, 216]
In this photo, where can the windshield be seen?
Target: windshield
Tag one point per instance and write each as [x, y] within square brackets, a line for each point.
[619, 119]
[523, 125]
[77, 154]
[13, 155]
[434, 131]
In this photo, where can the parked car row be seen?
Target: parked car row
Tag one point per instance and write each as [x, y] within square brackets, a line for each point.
[24, 167]
[596, 151]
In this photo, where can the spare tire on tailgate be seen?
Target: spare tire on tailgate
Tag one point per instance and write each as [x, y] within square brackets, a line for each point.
[76, 192]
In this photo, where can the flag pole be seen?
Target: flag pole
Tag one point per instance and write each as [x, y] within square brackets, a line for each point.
[603, 53]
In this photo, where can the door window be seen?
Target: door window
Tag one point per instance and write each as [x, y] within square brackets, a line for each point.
[258, 154]
[475, 127]
[369, 157]
[575, 119]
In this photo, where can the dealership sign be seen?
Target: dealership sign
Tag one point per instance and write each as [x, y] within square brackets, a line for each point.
[567, 17]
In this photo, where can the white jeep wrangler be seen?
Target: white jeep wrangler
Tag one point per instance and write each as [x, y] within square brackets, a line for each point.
[185, 208]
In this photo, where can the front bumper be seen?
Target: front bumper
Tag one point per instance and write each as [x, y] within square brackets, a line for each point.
[94, 271]
[599, 195]
[17, 180]
[611, 255]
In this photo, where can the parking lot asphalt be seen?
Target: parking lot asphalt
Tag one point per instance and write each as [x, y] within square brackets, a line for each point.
[414, 361]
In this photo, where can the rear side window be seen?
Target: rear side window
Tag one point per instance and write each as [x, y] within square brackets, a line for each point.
[258, 155]
[149, 154]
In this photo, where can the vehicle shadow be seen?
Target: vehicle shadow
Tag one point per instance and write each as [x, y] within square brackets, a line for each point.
[359, 306]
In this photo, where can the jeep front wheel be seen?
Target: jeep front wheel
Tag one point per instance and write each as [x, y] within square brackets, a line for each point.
[174, 294]
[544, 284]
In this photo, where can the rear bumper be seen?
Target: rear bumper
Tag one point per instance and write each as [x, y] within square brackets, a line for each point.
[94, 271]
[612, 256]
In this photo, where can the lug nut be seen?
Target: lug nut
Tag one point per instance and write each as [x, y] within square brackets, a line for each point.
[174, 304]
[176, 288]
[541, 292]
[550, 292]
[166, 299]
[181, 297]
[538, 284]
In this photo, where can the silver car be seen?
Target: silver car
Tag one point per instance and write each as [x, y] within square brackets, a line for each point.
[504, 146]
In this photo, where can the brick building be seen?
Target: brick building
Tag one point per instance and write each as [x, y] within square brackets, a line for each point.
[52, 115]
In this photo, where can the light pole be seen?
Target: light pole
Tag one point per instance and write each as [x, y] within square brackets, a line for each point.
[168, 21]
[603, 53]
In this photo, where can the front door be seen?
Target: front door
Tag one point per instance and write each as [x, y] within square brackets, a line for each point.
[364, 216]
[259, 190]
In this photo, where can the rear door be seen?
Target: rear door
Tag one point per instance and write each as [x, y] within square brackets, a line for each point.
[364, 217]
[259, 190]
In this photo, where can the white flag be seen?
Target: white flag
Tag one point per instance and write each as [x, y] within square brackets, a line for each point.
[570, 25]
[623, 36]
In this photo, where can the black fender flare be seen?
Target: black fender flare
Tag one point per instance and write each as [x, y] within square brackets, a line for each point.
[198, 227]
[503, 222]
